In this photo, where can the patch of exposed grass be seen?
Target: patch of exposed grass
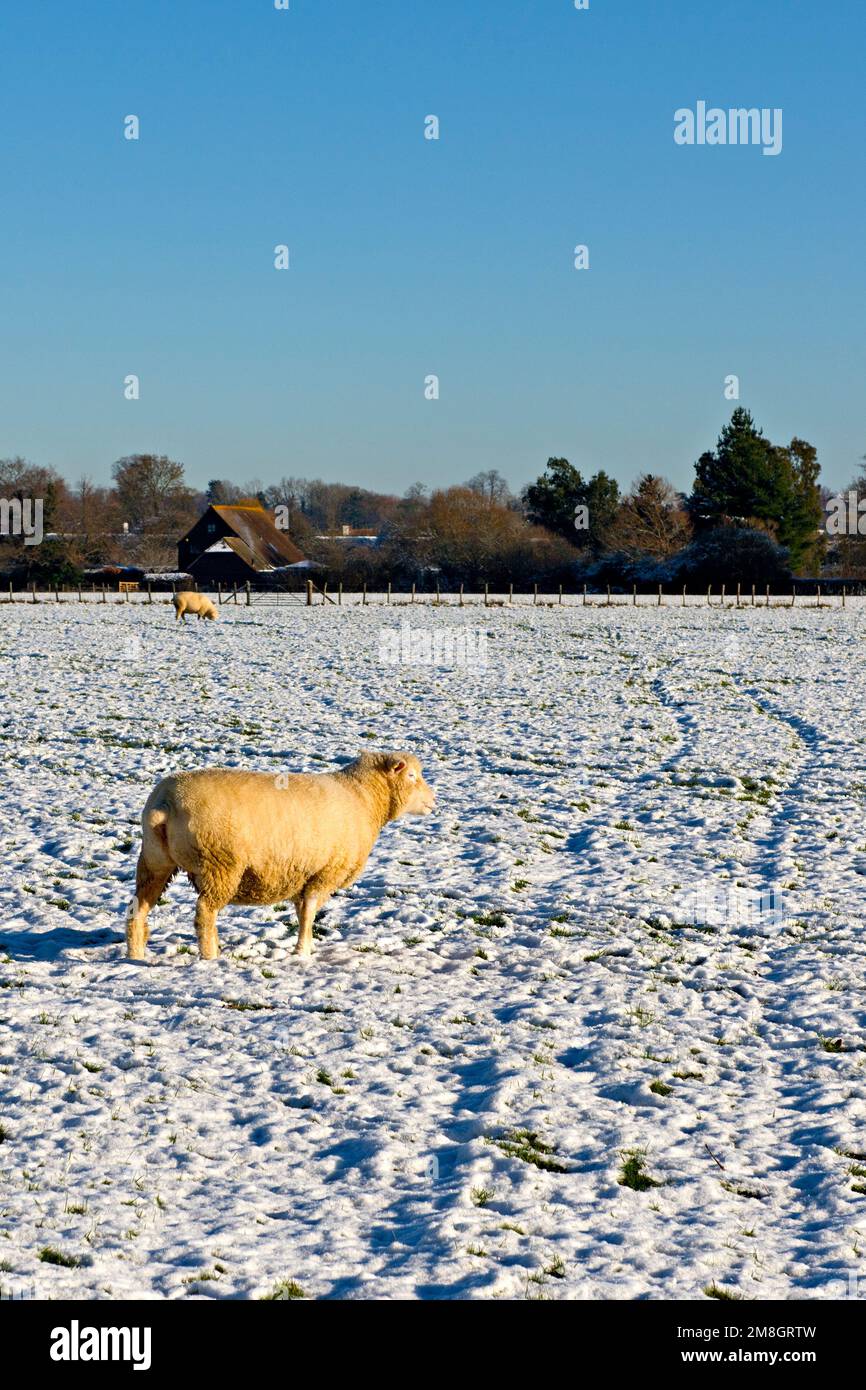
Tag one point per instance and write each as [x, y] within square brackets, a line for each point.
[50, 1255]
[283, 1292]
[739, 1191]
[526, 1145]
[489, 919]
[633, 1173]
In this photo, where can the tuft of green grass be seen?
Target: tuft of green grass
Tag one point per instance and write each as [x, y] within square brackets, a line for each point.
[50, 1255]
[489, 919]
[283, 1292]
[743, 1191]
[526, 1145]
[633, 1173]
[481, 1196]
[661, 1089]
[716, 1291]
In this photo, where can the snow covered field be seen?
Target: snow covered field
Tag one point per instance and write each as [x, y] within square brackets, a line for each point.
[595, 1029]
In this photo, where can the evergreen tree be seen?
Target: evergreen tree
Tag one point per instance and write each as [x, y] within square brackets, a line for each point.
[601, 498]
[750, 480]
[552, 499]
[742, 480]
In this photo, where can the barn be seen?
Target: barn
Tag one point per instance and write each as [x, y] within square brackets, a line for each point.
[236, 544]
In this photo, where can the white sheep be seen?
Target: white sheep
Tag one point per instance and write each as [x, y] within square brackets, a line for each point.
[252, 837]
[190, 602]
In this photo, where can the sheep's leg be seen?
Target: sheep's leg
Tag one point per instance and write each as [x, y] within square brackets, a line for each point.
[206, 929]
[306, 910]
[149, 885]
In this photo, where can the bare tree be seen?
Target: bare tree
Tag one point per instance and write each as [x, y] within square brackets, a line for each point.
[651, 520]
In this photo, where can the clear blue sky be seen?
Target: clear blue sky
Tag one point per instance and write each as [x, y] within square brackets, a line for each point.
[412, 257]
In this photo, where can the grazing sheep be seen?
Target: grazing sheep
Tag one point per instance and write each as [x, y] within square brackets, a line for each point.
[252, 837]
[189, 602]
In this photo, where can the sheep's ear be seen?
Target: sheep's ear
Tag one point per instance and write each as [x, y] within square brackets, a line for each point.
[397, 765]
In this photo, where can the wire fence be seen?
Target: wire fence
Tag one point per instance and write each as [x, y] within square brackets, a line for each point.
[808, 595]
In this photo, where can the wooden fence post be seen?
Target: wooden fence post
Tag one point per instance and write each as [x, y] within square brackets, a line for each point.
[709, 594]
[511, 593]
[608, 596]
[340, 594]
[768, 595]
[560, 593]
[753, 595]
[634, 595]
[389, 591]
[819, 595]
[584, 595]
[534, 595]
[364, 596]
[684, 596]
[844, 592]
[309, 593]
[738, 595]
[486, 594]
[412, 599]
[249, 594]
[660, 596]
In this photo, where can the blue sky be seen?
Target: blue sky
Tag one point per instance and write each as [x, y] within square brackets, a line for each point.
[412, 257]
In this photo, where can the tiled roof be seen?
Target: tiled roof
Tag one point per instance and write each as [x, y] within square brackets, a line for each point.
[265, 543]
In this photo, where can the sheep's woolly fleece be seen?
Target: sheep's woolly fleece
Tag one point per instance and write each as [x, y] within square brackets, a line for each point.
[530, 1056]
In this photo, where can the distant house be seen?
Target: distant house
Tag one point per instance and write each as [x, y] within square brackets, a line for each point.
[237, 543]
[351, 535]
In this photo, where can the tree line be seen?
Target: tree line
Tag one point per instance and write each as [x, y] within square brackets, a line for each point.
[754, 514]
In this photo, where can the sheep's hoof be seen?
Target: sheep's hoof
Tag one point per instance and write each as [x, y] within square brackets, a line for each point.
[304, 951]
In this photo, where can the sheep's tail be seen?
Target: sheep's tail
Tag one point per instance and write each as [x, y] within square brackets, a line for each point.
[155, 836]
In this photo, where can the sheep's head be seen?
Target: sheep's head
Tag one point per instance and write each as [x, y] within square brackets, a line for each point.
[408, 793]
